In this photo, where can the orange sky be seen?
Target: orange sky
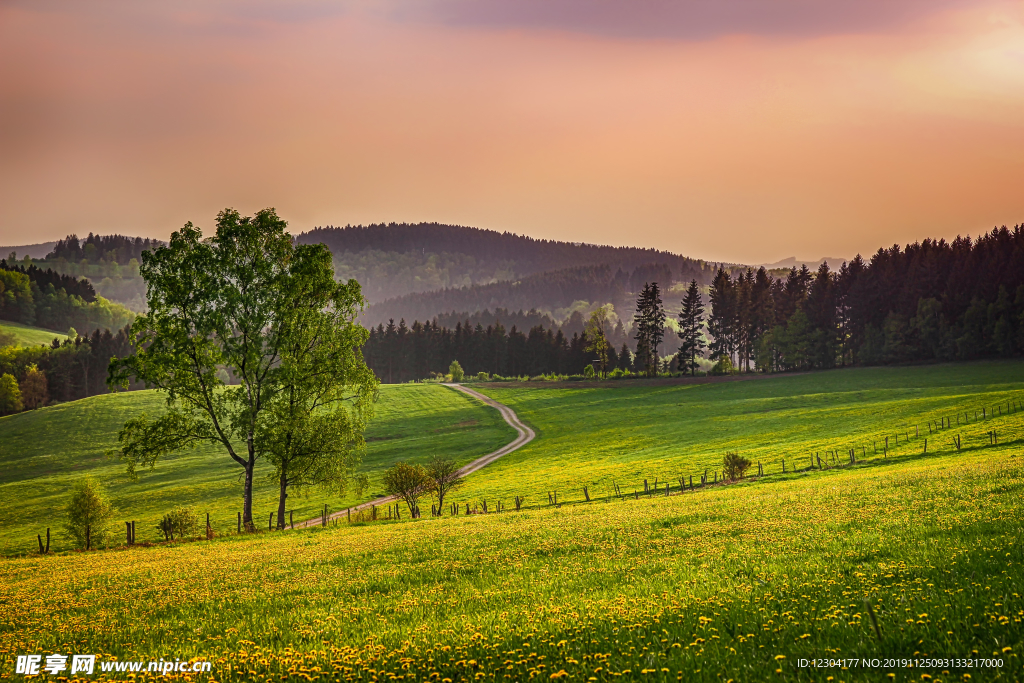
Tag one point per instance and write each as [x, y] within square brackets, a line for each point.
[710, 129]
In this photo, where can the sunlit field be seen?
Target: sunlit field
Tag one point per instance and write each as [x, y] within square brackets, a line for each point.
[907, 554]
[44, 452]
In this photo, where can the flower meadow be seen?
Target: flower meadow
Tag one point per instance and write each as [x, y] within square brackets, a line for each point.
[897, 558]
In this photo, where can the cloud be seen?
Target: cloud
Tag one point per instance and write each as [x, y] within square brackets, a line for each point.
[675, 19]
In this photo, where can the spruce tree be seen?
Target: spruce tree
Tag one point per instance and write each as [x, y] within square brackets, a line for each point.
[649, 322]
[691, 323]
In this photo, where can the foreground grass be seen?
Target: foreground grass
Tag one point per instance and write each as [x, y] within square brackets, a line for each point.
[898, 559]
[44, 452]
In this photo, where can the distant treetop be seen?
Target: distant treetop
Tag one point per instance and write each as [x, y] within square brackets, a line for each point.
[94, 248]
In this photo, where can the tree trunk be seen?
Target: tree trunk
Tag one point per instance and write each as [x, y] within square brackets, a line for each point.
[247, 495]
[282, 497]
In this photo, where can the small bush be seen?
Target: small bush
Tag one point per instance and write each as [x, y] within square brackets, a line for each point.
[734, 466]
[588, 372]
[483, 377]
[455, 370]
[181, 522]
[617, 373]
[723, 367]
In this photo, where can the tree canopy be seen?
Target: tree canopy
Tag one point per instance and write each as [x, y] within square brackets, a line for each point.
[245, 302]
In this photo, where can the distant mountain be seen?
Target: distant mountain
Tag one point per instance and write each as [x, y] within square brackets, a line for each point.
[31, 250]
[398, 259]
[792, 262]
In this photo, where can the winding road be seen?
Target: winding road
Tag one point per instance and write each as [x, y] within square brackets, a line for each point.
[524, 436]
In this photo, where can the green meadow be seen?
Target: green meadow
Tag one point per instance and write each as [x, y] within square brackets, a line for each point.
[44, 452]
[908, 557]
[25, 335]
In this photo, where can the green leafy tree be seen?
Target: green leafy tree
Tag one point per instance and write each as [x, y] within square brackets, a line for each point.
[232, 301]
[597, 338]
[312, 431]
[455, 370]
[445, 477]
[691, 329]
[408, 482]
[10, 395]
[87, 514]
[34, 393]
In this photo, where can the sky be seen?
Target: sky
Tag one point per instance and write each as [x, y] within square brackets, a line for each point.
[730, 130]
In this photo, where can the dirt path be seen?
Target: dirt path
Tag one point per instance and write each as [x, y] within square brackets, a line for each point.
[524, 436]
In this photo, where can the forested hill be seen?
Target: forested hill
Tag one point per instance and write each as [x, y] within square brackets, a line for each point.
[397, 259]
[544, 291]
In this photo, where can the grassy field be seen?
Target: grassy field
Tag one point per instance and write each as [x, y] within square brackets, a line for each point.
[25, 335]
[911, 555]
[625, 432]
[43, 452]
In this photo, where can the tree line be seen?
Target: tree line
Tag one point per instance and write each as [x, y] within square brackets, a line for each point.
[399, 353]
[48, 299]
[932, 300]
[66, 370]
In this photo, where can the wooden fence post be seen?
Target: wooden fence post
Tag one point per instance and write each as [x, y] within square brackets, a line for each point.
[239, 522]
[48, 536]
[586, 494]
[925, 446]
[39, 537]
[88, 538]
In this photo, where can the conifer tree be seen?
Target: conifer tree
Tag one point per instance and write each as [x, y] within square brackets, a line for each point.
[691, 324]
[649, 322]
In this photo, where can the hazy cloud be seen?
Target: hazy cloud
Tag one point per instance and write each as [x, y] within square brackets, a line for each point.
[676, 19]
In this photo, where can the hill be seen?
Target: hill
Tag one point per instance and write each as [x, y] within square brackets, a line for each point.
[397, 259]
[26, 335]
[911, 555]
[36, 251]
[44, 452]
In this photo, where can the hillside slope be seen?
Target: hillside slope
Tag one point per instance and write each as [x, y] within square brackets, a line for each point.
[26, 335]
[398, 259]
[44, 452]
[911, 557]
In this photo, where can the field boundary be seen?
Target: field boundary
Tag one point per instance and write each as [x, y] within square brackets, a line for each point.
[524, 435]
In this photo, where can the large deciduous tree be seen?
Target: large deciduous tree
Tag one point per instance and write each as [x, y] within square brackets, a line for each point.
[312, 432]
[247, 305]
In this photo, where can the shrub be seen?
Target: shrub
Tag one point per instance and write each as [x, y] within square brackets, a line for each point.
[588, 372]
[181, 522]
[723, 367]
[483, 376]
[455, 370]
[734, 466]
[87, 509]
[617, 373]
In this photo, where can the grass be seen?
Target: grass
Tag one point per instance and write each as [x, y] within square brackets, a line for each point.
[908, 556]
[44, 452]
[626, 432]
[25, 335]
